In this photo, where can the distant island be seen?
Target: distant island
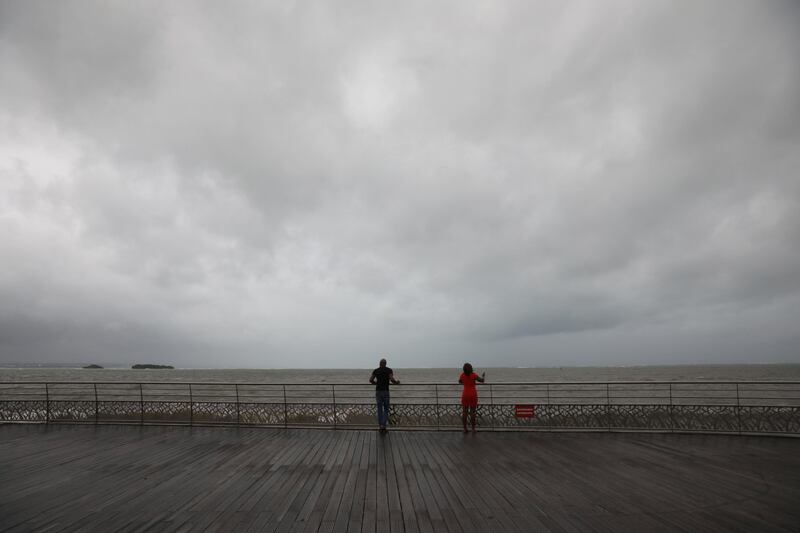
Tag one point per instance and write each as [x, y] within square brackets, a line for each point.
[93, 366]
[158, 367]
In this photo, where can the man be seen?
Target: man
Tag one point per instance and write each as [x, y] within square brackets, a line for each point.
[381, 377]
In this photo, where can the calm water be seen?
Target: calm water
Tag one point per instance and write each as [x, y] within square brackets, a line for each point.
[415, 375]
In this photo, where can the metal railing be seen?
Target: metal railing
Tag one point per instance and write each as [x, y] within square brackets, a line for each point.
[707, 406]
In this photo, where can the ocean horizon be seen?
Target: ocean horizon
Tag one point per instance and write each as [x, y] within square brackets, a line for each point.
[686, 372]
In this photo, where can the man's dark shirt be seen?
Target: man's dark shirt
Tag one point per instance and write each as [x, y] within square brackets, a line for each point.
[381, 375]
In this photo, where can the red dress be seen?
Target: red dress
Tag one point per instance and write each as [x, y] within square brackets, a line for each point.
[469, 398]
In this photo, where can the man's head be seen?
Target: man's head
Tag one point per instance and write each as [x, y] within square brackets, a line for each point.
[382, 363]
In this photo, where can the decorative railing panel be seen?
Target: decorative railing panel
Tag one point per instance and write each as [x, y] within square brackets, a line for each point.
[262, 414]
[768, 419]
[710, 406]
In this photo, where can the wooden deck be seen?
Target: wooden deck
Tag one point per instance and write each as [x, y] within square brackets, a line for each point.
[124, 478]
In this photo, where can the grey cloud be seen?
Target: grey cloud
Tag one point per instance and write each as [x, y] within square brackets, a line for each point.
[516, 180]
[82, 56]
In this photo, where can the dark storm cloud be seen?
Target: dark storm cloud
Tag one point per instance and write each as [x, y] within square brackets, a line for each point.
[304, 185]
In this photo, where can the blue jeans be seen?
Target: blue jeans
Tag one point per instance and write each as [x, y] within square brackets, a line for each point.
[382, 399]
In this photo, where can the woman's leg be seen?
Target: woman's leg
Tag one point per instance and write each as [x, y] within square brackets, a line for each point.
[464, 417]
[472, 414]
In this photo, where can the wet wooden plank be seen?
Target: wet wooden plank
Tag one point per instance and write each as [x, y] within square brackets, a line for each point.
[78, 478]
[348, 493]
[407, 511]
[307, 479]
[356, 515]
[372, 499]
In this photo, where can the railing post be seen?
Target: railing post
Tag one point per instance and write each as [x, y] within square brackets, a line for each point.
[333, 395]
[191, 406]
[549, 411]
[436, 390]
[96, 404]
[237, 403]
[738, 411]
[141, 405]
[608, 408]
[491, 404]
[47, 403]
[671, 410]
[285, 414]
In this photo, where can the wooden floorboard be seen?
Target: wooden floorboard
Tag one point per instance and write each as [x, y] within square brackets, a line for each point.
[127, 478]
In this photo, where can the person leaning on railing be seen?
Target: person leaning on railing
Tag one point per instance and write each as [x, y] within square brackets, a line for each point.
[469, 396]
[381, 377]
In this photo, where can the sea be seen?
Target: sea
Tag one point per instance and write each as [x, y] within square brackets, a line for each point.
[758, 372]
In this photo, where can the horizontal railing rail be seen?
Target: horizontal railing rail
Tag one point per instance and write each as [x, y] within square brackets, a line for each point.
[710, 406]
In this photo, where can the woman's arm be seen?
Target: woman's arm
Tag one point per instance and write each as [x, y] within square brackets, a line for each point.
[481, 378]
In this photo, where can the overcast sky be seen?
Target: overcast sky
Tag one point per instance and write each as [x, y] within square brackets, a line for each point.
[317, 184]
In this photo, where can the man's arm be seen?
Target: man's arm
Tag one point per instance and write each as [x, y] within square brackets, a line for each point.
[372, 378]
[394, 381]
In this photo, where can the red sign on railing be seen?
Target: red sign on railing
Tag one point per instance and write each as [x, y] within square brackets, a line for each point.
[524, 411]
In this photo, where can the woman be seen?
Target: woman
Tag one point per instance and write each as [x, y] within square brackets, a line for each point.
[469, 397]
